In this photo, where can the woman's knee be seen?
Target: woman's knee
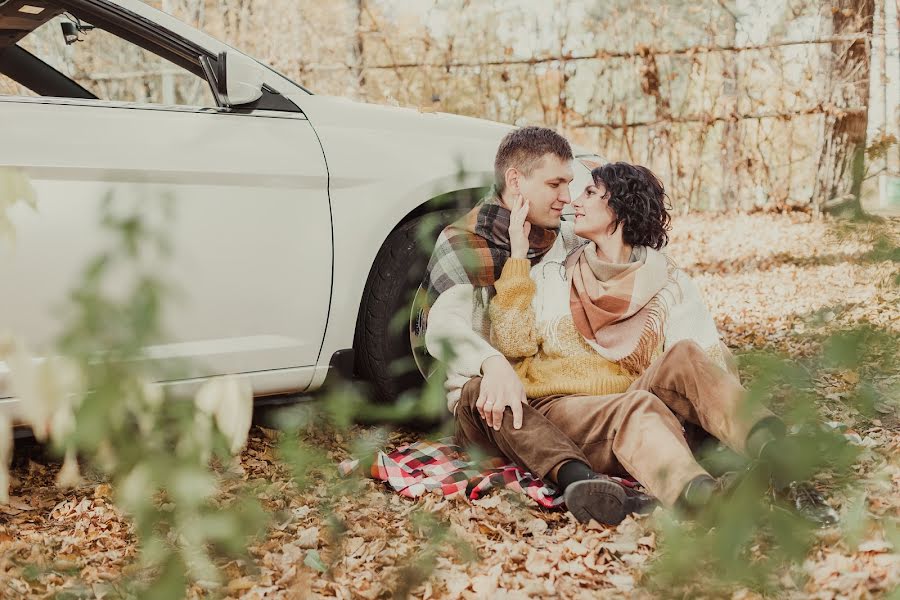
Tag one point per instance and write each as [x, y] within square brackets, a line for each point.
[646, 401]
[646, 405]
[687, 349]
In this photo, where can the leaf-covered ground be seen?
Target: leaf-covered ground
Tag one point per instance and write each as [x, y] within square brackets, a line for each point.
[773, 282]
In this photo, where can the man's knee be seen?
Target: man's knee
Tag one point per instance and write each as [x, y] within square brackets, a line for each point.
[469, 395]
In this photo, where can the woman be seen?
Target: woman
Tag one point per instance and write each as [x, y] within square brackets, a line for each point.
[621, 324]
[638, 305]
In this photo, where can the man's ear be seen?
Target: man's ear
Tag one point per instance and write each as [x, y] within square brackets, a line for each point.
[512, 179]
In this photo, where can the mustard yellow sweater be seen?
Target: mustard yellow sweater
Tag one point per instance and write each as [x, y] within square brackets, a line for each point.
[550, 358]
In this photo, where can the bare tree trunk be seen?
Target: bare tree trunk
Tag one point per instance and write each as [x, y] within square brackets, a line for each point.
[877, 124]
[732, 128]
[842, 162]
[892, 81]
[359, 72]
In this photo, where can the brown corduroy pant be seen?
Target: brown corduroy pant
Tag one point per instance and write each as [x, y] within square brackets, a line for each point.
[638, 432]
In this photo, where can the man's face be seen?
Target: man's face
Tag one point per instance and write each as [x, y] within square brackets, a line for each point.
[547, 190]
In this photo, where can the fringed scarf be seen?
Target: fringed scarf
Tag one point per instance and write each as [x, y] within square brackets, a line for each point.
[621, 309]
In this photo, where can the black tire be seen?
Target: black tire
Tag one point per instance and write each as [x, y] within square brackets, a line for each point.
[382, 343]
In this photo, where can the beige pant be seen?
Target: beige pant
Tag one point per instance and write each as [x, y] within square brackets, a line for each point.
[638, 432]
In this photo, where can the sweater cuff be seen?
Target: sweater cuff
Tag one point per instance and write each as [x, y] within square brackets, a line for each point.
[516, 267]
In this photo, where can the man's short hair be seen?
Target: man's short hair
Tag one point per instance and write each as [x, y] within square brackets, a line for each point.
[524, 148]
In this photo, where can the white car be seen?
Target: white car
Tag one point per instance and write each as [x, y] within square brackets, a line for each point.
[294, 235]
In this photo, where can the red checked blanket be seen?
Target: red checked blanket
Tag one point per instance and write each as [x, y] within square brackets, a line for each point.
[413, 469]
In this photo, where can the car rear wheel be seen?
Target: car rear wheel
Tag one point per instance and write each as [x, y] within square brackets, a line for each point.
[384, 355]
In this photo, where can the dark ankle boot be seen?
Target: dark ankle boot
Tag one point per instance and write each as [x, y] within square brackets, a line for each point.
[599, 498]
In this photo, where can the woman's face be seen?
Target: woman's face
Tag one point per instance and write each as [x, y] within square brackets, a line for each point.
[593, 216]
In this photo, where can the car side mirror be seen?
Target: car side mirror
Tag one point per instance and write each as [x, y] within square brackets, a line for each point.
[236, 80]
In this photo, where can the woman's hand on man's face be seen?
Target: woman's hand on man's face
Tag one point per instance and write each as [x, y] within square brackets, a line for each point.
[519, 227]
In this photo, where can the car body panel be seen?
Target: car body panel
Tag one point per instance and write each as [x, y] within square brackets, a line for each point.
[251, 230]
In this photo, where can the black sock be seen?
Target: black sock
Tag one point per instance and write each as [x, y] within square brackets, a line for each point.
[572, 471]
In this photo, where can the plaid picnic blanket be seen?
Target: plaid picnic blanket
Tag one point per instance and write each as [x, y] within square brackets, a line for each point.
[414, 469]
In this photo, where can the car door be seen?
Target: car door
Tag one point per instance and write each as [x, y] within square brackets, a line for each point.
[250, 231]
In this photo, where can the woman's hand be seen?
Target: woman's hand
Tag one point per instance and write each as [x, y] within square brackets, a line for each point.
[519, 228]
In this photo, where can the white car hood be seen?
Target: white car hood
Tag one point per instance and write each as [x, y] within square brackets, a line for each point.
[331, 111]
[365, 141]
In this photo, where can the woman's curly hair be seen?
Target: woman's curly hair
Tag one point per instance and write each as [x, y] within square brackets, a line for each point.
[639, 201]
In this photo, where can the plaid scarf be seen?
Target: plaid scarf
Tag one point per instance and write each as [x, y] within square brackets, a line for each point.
[474, 248]
[471, 250]
[620, 308]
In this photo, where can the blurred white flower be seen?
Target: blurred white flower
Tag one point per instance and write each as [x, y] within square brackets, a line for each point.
[207, 396]
[6, 451]
[136, 490]
[153, 393]
[229, 400]
[69, 475]
[201, 440]
[144, 405]
[105, 456]
[48, 390]
[62, 422]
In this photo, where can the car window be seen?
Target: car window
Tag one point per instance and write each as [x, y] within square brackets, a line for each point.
[114, 69]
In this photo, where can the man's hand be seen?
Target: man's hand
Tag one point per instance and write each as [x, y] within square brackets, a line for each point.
[519, 228]
[500, 387]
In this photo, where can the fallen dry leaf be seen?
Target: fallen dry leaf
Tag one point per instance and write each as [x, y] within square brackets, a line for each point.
[537, 563]
[308, 538]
